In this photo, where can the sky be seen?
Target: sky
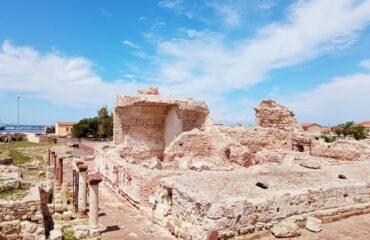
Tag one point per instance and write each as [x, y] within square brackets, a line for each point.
[69, 58]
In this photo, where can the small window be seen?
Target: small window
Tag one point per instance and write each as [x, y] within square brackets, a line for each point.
[67, 129]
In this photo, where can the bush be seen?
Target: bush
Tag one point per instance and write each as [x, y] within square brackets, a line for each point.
[328, 138]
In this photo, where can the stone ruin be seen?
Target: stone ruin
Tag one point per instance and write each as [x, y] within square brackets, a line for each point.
[198, 179]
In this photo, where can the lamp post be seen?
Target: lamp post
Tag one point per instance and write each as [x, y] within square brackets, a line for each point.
[18, 97]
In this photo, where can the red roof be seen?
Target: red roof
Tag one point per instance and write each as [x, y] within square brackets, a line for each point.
[365, 123]
[307, 125]
[326, 129]
[66, 123]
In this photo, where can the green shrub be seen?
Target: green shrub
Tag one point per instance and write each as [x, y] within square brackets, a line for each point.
[69, 235]
[328, 138]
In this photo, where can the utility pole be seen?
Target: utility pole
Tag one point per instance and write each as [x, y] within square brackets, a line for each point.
[18, 97]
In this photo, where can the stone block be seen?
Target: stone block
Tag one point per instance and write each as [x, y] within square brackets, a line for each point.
[56, 235]
[67, 215]
[81, 231]
[285, 230]
[94, 232]
[313, 224]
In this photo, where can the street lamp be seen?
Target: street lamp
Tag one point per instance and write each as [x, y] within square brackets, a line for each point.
[18, 97]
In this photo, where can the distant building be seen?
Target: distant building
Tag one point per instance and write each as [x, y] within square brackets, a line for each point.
[64, 129]
[366, 124]
[312, 128]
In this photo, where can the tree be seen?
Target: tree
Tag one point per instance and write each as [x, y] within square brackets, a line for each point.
[105, 123]
[100, 126]
[87, 127]
[350, 130]
[359, 132]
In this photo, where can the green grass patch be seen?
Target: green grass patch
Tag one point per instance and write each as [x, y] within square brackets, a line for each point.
[14, 194]
[69, 235]
[19, 158]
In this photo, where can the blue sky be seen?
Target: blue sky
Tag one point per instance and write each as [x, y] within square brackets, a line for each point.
[68, 58]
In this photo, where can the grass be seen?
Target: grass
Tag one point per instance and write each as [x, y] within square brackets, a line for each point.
[19, 158]
[69, 235]
[14, 194]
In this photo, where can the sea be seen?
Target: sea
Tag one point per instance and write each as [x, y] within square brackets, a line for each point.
[23, 131]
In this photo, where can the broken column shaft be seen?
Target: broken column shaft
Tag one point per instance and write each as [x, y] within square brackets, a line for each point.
[93, 180]
[82, 193]
[60, 171]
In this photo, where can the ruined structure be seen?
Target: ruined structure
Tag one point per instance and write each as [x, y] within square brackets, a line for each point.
[197, 179]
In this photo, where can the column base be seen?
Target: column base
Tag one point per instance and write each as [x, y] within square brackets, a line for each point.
[82, 213]
[94, 232]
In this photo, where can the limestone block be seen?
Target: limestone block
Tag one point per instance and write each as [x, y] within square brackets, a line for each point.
[313, 224]
[56, 235]
[67, 215]
[81, 231]
[285, 230]
[28, 227]
[94, 232]
[10, 227]
[57, 216]
[60, 207]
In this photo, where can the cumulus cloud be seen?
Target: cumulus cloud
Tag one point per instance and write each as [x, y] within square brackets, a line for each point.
[209, 63]
[342, 99]
[54, 77]
[365, 64]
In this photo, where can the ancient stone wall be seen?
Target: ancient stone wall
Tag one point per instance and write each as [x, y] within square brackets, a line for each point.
[21, 219]
[271, 114]
[147, 123]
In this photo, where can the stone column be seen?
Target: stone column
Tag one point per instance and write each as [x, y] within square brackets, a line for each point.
[52, 153]
[93, 180]
[82, 191]
[60, 171]
[49, 155]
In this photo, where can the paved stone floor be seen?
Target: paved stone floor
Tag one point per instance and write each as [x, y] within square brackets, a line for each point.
[352, 228]
[121, 221]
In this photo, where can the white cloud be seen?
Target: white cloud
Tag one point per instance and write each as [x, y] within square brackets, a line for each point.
[130, 44]
[229, 13]
[176, 5]
[340, 100]
[365, 64]
[57, 78]
[212, 64]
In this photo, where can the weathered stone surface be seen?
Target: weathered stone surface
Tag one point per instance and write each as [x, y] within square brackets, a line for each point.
[94, 232]
[271, 114]
[56, 235]
[313, 224]
[67, 215]
[81, 231]
[341, 150]
[224, 145]
[148, 91]
[285, 230]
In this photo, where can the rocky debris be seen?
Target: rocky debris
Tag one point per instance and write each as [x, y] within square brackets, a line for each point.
[81, 231]
[148, 91]
[313, 224]
[67, 215]
[6, 160]
[285, 230]
[152, 163]
[269, 156]
[56, 235]
[271, 114]
[94, 232]
[341, 150]
[222, 145]
[310, 164]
